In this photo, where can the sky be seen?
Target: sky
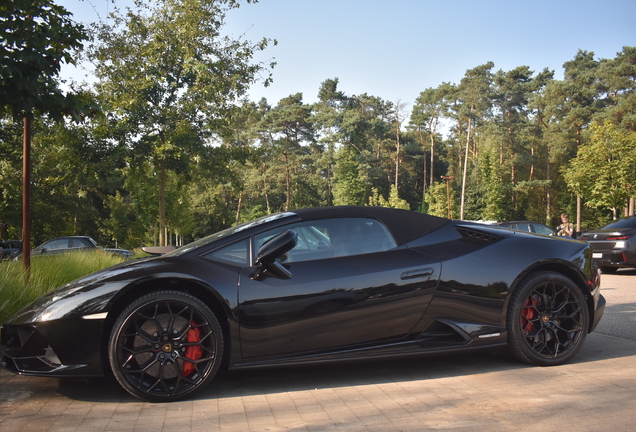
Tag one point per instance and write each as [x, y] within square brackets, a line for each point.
[394, 49]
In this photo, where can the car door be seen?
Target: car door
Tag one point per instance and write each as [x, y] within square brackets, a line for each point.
[350, 285]
[80, 245]
[53, 247]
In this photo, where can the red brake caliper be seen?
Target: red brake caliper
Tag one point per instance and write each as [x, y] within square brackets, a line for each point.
[193, 352]
[527, 314]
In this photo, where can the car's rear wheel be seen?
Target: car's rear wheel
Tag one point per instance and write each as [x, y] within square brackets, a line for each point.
[165, 346]
[547, 319]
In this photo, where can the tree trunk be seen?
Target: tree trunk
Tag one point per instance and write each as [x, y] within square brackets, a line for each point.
[424, 172]
[548, 216]
[578, 198]
[432, 159]
[238, 210]
[397, 161]
[162, 205]
[578, 213]
[465, 174]
[532, 163]
[287, 183]
[513, 168]
[266, 189]
[26, 198]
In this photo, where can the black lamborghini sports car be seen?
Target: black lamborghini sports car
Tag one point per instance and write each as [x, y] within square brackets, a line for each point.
[311, 286]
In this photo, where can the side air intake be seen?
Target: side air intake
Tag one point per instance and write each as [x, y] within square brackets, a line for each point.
[482, 234]
[439, 334]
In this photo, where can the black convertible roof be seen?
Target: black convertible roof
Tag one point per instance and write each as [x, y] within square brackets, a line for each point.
[404, 225]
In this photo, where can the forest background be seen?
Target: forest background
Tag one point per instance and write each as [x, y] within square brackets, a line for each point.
[173, 149]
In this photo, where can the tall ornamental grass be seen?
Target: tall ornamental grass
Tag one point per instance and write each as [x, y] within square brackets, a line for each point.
[47, 273]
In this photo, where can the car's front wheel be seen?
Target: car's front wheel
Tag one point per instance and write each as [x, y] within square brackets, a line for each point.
[165, 346]
[547, 319]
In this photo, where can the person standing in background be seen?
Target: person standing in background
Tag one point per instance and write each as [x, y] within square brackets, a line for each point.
[566, 229]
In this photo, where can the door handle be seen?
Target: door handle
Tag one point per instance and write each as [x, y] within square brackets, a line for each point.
[419, 273]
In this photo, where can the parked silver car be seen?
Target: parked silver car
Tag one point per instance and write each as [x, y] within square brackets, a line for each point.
[528, 226]
[68, 244]
[9, 249]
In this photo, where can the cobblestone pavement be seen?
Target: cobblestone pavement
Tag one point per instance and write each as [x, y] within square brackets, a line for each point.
[478, 392]
[475, 392]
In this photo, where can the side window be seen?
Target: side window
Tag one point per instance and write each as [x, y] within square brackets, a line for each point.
[57, 244]
[542, 230]
[234, 254]
[328, 238]
[77, 244]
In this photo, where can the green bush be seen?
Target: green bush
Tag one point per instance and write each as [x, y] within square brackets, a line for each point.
[47, 273]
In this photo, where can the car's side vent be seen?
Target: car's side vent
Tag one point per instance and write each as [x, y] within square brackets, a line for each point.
[439, 334]
[477, 235]
[482, 234]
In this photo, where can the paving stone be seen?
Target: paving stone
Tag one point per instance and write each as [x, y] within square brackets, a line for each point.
[481, 392]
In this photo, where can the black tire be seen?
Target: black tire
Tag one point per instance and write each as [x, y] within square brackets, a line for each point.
[609, 270]
[165, 346]
[547, 319]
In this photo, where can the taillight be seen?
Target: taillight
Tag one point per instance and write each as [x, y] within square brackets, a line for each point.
[595, 280]
[618, 238]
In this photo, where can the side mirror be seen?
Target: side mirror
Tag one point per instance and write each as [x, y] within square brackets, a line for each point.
[273, 249]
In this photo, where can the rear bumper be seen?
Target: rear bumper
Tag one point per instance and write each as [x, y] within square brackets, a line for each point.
[598, 312]
[613, 258]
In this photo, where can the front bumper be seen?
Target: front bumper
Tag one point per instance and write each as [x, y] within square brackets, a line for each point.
[55, 349]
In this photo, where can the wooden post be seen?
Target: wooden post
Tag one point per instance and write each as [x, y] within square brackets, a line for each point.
[26, 197]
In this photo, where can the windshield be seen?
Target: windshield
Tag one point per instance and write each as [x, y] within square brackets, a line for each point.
[227, 232]
[629, 222]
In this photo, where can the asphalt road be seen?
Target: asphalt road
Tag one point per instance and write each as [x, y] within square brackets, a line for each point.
[619, 319]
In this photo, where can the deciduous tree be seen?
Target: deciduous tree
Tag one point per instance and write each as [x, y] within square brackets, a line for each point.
[36, 37]
[604, 170]
[168, 78]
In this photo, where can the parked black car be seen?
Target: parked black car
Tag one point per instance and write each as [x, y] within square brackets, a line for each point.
[528, 226]
[68, 244]
[312, 286]
[10, 249]
[614, 245]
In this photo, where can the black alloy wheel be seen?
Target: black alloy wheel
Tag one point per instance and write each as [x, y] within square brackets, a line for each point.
[165, 346]
[547, 319]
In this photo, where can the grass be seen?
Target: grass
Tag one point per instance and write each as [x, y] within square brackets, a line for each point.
[47, 273]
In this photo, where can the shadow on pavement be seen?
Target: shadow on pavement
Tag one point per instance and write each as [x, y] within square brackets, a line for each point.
[301, 378]
[623, 272]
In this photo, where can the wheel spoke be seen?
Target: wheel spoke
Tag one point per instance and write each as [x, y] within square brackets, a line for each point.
[136, 351]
